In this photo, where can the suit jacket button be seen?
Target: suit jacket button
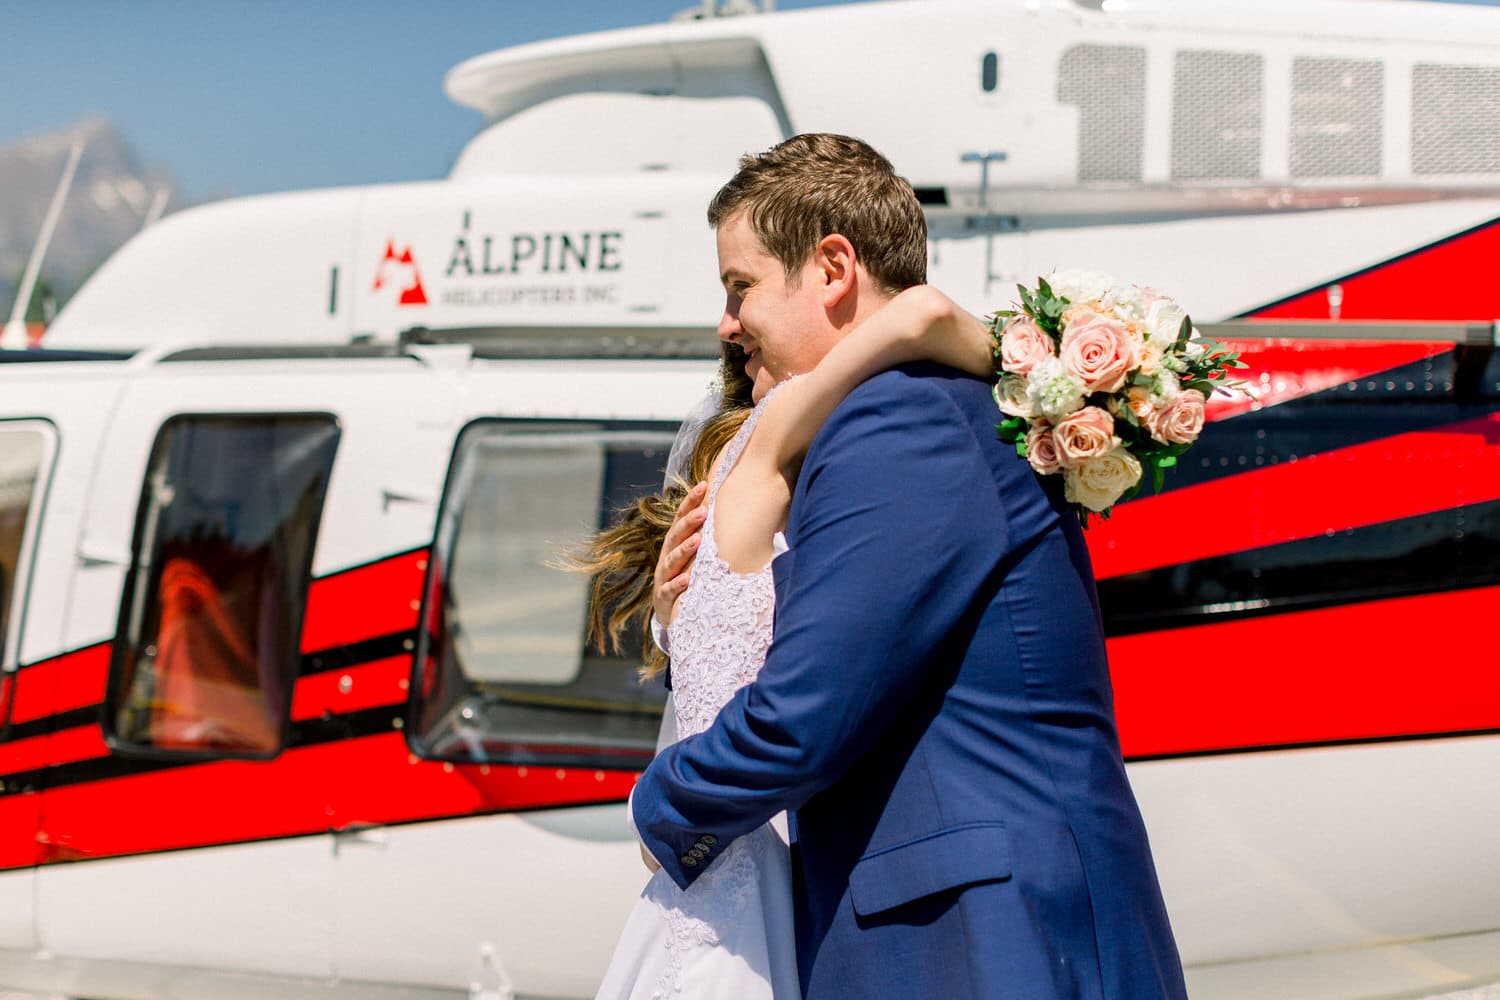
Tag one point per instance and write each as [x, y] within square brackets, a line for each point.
[708, 840]
[696, 853]
[689, 860]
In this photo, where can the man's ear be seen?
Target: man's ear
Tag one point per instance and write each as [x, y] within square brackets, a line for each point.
[836, 265]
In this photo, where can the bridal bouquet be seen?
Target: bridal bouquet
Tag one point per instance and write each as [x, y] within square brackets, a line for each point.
[1100, 381]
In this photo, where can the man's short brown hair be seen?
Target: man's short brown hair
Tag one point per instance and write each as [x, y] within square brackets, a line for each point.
[817, 184]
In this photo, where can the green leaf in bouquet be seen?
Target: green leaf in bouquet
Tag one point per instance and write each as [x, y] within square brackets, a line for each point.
[1027, 301]
[1012, 429]
[1021, 447]
[1184, 333]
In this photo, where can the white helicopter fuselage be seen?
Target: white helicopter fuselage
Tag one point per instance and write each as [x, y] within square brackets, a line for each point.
[429, 802]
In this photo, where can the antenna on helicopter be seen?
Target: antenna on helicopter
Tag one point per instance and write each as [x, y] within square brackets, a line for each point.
[14, 337]
[724, 8]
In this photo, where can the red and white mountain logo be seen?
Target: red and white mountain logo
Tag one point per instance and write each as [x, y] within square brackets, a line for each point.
[392, 266]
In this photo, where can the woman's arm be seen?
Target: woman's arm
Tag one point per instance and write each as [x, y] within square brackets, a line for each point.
[919, 324]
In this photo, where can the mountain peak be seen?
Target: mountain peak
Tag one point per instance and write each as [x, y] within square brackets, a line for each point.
[107, 204]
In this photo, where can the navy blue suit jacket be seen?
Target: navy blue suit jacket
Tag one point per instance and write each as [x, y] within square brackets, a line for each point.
[935, 712]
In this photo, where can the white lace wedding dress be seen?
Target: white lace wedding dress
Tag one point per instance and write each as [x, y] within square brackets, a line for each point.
[729, 936]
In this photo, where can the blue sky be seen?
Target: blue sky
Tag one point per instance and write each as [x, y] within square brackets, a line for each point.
[247, 96]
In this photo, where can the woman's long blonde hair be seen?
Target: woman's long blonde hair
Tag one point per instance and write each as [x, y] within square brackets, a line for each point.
[622, 558]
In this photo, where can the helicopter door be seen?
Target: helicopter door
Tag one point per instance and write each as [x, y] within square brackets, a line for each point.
[196, 547]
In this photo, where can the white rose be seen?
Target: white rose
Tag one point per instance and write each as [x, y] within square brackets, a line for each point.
[1082, 287]
[1163, 319]
[1010, 395]
[1052, 391]
[1097, 484]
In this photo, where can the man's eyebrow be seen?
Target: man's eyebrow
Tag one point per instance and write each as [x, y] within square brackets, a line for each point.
[731, 274]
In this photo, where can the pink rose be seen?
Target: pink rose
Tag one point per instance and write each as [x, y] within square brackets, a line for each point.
[1023, 346]
[1084, 435]
[1041, 450]
[1099, 352]
[1180, 421]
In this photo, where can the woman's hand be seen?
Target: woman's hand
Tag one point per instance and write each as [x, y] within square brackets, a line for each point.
[678, 550]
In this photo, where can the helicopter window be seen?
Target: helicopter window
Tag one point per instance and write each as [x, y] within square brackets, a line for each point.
[23, 452]
[503, 672]
[1455, 119]
[1217, 100]
[212, 610]
[1337, 117]
[989, 72]
[1107, 83]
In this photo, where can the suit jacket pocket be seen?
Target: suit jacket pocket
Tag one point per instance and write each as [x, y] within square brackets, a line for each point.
[949, 859]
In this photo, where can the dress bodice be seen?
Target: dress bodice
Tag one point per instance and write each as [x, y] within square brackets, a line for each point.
[722, 628]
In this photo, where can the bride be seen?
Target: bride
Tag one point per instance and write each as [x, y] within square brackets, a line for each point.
[730, 934]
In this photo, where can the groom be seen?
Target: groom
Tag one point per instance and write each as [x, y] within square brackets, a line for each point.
[935, 710]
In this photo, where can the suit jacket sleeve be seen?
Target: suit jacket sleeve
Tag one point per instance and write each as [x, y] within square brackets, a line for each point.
[896, 527]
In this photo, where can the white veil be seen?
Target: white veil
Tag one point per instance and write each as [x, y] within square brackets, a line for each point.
[680, 457]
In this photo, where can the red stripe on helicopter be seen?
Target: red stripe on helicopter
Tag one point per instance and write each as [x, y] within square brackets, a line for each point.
[1396, 289]
[372, 779]
[1460, 464]
[1380, 670]
[365, 602]
[1388, 290]
[1283, 370]
[365, 685]
[66, 747]
[61, 684]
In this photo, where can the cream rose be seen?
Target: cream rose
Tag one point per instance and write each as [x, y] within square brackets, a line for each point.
[1099, 353]
[1098, 484]
[1041, 450]
[1010, 396]
[1084, 435]
[1179, 421]
[1023, 346]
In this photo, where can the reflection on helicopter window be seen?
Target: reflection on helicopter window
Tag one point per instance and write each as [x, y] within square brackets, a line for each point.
[504, 673]
[212, 611]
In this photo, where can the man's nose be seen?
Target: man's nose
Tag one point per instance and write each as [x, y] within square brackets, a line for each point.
[730, 329]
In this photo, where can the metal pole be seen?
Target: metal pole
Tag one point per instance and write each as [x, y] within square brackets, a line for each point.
[14, 337]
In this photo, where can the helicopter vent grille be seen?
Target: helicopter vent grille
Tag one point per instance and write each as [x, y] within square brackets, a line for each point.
[1455, 119]
[1107, 83]
[1338, 109]
[1216, 115]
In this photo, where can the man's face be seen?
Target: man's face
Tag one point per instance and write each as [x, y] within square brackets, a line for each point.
[781, 324]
